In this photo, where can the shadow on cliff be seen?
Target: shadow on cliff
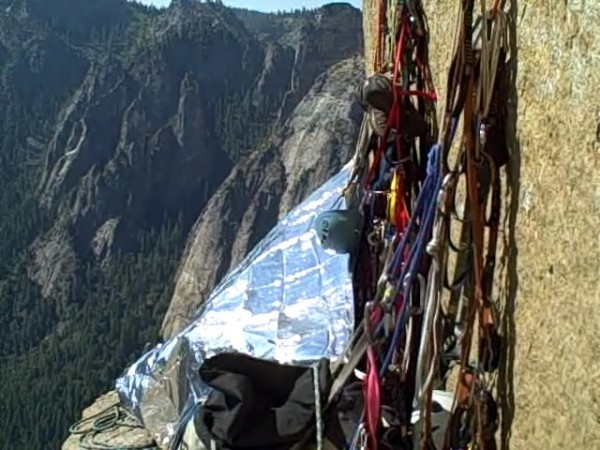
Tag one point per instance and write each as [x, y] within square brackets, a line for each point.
[510, 255]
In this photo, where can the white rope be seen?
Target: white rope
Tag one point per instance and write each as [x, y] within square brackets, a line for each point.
[318, 412]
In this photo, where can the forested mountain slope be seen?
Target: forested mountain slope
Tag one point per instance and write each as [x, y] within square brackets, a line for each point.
[122, 127]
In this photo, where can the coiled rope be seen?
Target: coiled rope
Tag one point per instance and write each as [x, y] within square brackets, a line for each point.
[112, 418]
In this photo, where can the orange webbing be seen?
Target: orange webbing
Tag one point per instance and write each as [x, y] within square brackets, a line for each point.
[379, 49]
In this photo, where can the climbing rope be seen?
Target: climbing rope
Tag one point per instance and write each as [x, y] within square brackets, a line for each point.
[111, 419]
[318, 407]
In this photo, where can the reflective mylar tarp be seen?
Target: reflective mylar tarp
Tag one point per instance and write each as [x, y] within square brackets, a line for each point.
[289, 300]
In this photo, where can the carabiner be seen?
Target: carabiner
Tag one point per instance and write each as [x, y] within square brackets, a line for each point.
[362, 438]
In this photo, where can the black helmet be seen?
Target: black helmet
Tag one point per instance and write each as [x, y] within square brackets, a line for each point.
[377, 92]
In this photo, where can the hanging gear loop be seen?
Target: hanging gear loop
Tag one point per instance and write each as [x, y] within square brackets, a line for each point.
[409, 192]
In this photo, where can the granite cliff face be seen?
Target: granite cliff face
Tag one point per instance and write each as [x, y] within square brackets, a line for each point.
[548, 388]
[127, 132]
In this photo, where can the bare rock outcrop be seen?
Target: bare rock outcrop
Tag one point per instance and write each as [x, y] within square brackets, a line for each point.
[314, 143]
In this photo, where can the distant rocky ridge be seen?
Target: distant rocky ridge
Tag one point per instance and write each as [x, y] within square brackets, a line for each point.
[313, 143]
[147, 135]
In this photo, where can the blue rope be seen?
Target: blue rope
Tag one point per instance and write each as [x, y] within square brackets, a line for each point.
[423, 215]
[422, 220]
[383, 177]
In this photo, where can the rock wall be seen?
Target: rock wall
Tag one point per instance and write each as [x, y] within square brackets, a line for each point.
[552, 369]
[311, 146]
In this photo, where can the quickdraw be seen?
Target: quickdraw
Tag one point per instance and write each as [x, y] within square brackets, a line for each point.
[417, 321]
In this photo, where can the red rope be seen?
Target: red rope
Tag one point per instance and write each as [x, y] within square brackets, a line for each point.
[428, 95]
[372, 394]
[372, 386]
[372, 383]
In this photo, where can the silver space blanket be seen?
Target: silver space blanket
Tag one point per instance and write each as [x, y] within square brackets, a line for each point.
[289, 301]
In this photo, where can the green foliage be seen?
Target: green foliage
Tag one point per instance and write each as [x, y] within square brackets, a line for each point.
[241, 124]
[56, 355]
[52, 366]
[271, 26]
